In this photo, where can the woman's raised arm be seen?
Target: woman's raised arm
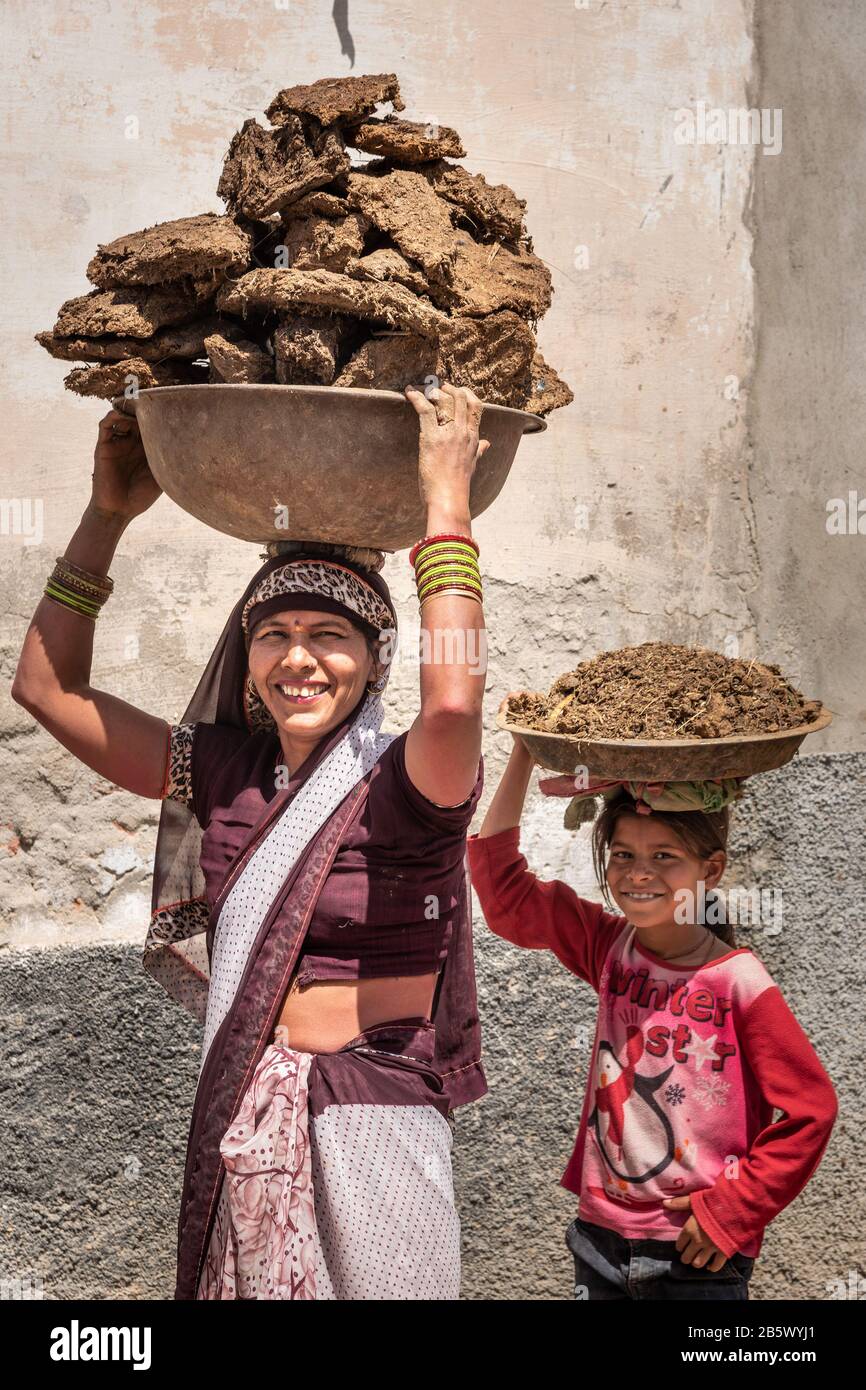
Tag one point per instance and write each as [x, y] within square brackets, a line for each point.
[119, 741]
[443, 745]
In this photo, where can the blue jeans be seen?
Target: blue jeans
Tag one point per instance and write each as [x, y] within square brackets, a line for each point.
[608, 1266]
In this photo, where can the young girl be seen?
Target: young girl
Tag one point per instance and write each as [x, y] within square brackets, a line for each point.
[678, 1162]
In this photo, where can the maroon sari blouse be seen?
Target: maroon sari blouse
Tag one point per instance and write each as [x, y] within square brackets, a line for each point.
[389, 904]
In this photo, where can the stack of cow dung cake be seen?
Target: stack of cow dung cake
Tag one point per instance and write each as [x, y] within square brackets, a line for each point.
[324, 272]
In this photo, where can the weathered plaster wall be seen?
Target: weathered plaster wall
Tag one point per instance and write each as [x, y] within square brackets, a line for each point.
[808, 412]
[643, 511]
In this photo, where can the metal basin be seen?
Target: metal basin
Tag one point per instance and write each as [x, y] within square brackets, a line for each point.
[327, 463]
[664, 760]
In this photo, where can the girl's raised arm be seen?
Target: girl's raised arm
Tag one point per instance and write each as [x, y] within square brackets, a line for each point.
[523, 908]
[506, 808]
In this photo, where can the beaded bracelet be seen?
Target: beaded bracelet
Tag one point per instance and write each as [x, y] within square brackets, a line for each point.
[78, 589]
[97, 581]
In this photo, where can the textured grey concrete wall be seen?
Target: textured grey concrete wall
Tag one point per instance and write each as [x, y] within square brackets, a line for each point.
[98, 1071]
[706, 314]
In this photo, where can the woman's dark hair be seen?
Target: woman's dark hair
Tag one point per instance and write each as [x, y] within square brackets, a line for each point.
[363, 556]
[374, 644]
[702, 833]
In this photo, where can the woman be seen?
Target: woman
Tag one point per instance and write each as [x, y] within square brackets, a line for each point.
[310, 899]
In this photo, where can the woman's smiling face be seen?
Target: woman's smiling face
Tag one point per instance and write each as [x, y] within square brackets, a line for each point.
[648, 865]
[310, 668]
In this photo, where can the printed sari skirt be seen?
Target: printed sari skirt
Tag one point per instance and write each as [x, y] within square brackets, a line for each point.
[337, 1180]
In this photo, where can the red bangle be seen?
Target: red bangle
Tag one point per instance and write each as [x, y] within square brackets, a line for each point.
[442, 536]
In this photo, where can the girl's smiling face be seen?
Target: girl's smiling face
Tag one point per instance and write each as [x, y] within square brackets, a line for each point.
[648, 865]
[310, 668]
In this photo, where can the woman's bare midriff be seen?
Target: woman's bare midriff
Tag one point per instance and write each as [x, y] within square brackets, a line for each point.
[324, 1016]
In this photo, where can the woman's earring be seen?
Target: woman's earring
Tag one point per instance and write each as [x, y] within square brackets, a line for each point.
[377, 685]
[258, 716]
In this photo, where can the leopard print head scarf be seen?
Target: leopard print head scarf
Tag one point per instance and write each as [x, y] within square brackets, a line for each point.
[324, 579]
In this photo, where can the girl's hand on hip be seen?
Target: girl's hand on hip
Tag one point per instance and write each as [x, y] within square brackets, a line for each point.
[693, 1243]
[449, 447]
[123, 484]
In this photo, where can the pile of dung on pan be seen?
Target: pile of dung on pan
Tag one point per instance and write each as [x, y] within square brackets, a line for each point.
[660, 691]
[325, 272]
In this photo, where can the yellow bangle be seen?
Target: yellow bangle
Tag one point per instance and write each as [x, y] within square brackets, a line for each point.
[456, 567]
[434, 546]
[445, 572]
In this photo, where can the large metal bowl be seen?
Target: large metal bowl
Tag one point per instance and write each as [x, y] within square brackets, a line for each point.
[327, 463]
[663, 760]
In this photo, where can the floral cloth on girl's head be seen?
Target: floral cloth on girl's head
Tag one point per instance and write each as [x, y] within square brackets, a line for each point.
[647, 796]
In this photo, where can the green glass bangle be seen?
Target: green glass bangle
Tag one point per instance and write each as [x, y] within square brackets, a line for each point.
[441, 572]
[436, 546]
[434, 552]
[437, 561]
[69, 600]
[449, 567]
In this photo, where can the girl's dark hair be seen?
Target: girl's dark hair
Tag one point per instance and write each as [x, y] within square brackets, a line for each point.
[702, 833]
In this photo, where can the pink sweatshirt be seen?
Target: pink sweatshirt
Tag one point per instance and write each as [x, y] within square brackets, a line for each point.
[687, 1067]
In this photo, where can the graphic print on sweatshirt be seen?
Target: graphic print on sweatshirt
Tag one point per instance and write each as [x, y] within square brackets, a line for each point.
[625, 1099]
[666, 1104]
